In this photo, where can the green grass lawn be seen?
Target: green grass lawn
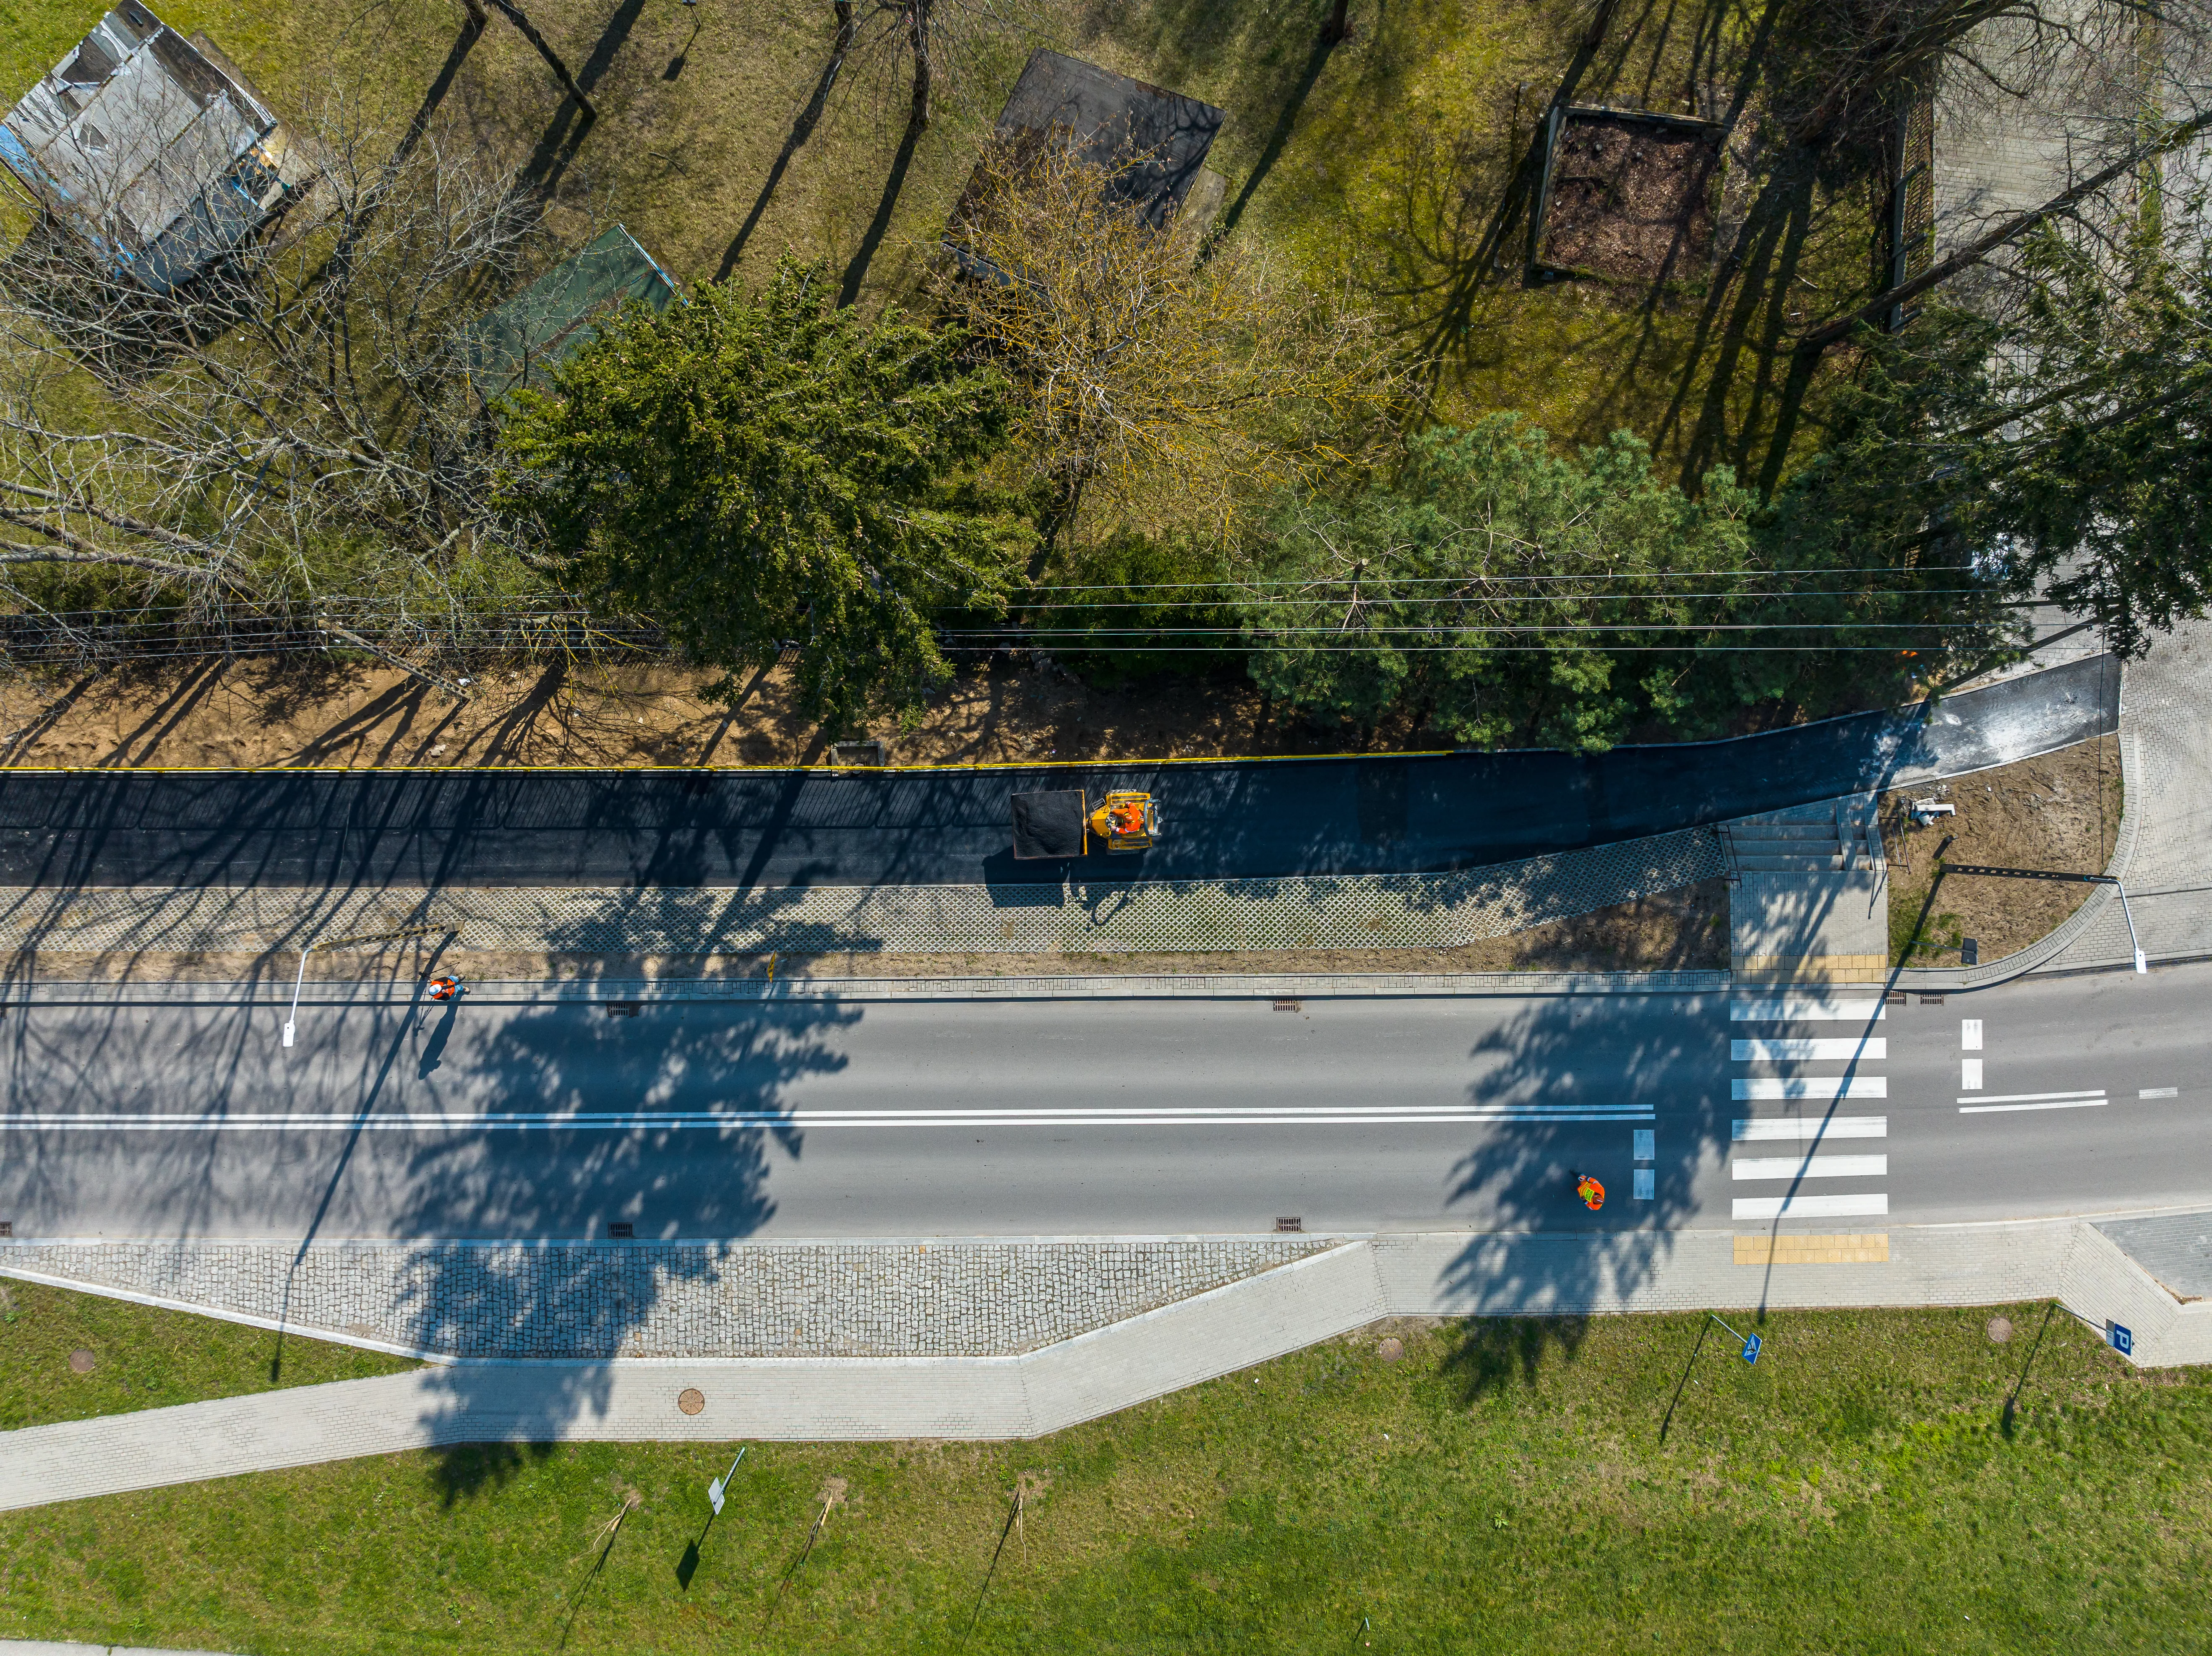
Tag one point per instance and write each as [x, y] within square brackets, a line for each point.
[145, 1359]
[1506, 1487]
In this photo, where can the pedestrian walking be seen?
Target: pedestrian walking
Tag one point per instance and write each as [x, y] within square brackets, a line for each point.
[444, 988]
[1590, 1190]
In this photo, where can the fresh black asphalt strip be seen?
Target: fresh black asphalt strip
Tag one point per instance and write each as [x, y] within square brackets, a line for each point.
[1222, 819]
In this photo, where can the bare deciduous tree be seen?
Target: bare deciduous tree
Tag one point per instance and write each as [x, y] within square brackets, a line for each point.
[1178, 387]
[299, 424]
[1852, 58]
[935, 42]
[520, 19]
[2112, 95]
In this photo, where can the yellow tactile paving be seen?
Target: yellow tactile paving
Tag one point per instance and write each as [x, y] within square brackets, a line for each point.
[1867, 1250]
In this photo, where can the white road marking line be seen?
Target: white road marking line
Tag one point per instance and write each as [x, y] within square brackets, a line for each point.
[2056, 1104]
[2160, 1092]
[1836, 1126]
[610, 1122]
[1646, 1140]
[1970, 1034]
[1970, 1075]
[1796, 1009]
[1825, 1048]
[1809, 1166]
[1809, 1207]
[2034, 1098]
[1810, 1087]
[1645, 1186]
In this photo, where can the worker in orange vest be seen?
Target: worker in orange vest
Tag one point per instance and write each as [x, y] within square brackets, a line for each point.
[444, 988]
[1591, 1191]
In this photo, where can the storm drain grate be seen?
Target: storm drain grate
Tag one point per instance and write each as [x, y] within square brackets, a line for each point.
[623, 1008]
[1292, 1223]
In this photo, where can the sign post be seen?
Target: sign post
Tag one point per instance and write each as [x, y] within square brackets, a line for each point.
[2123, 1339]
[1752, 1344]
[719, 1488]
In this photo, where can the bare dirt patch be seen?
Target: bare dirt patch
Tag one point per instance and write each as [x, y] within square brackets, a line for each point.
[338, 714]
[312, 713]
[2060, 812]
[1631, 198]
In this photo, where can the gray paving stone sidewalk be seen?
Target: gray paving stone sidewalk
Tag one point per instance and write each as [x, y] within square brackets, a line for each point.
[1327, 1294]
[2166, 862]
[1395, 911]
[698, 1299]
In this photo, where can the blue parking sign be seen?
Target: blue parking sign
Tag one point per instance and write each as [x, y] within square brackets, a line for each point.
[2123, 1339]
[1751, 1349]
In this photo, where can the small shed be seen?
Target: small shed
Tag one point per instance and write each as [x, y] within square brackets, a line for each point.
[538, 327]
[142, 144]
[1156, 140]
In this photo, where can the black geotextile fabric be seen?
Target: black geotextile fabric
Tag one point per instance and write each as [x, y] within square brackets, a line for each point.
[1048, 824]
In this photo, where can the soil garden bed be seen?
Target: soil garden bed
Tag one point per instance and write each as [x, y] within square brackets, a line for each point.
[2060, 812]
[1629, 196]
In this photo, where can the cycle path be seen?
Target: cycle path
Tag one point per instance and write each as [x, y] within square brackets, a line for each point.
[1232, 819]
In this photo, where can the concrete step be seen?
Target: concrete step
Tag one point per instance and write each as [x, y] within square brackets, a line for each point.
[1824, 811]
[1789, 864]
[1742, 831]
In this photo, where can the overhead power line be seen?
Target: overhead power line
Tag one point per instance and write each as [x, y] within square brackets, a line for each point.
[1408, 580]
[1566, 598]
[1930, 650]
[1262, 633]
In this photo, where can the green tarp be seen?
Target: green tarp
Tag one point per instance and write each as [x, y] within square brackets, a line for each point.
[536, 330]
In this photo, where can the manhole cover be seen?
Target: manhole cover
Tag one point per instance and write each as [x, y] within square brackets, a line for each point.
[81, 1362]
[1391, 1350]
[2000, 1329]
[690, 1399]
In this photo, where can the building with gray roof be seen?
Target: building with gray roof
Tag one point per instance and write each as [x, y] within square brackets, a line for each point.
[140, 143]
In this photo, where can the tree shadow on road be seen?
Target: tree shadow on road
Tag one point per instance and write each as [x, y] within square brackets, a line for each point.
[690, 1174]
[1562, 1057]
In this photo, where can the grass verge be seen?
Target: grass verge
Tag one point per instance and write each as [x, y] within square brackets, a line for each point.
[142, 1358]
[1880, 1482]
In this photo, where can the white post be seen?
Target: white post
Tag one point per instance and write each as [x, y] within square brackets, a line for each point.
[292, 1018]
[2142, 965]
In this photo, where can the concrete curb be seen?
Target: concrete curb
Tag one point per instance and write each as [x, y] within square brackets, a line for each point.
[757, 991]
[1326, 1295]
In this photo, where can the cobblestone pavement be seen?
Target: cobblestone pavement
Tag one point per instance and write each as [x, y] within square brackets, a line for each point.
[1395, 910]
[668, 1299]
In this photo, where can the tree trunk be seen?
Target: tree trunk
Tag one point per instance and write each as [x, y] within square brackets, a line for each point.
[1975, 251]
[917, 34]
[513, 13]
[847, 28]
[1338, 29]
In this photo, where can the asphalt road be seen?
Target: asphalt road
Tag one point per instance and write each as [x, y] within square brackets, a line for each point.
[1102, 1117]
[1222, 820]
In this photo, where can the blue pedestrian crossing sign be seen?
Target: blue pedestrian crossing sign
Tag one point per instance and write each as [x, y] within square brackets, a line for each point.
[1751, 1349]
[2123, 1339]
